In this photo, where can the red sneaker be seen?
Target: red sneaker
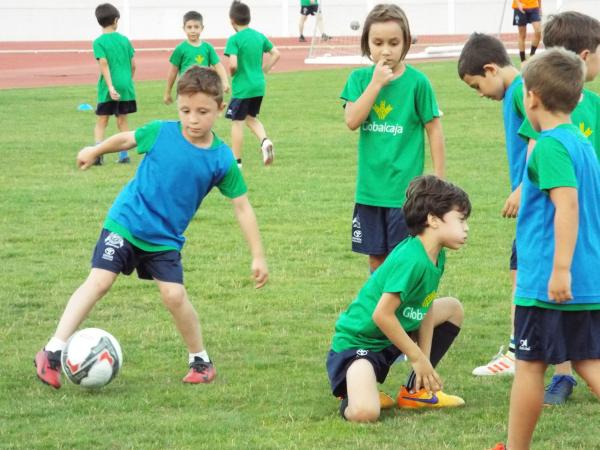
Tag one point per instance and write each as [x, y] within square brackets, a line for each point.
[48, 367]
[200, 372]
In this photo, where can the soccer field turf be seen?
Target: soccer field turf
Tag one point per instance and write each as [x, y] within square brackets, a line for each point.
[268, 345]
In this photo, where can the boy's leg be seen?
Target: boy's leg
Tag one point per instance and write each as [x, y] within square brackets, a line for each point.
[362, 393]
[82, 301]
[526, 401]
[537, 37]
[237, 138]
[561, 385]
[522, 36]
[301, 27]
[589, 370]
[123, 125]
[266, 145]
[99, 129]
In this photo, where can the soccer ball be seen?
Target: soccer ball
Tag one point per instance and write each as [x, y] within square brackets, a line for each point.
[354, 25]
[92, 358]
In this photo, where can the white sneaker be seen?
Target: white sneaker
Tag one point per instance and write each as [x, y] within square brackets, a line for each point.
[267, 151]
[501, 364]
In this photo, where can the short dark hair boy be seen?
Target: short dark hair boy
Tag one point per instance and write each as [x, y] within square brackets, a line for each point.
[106, 14]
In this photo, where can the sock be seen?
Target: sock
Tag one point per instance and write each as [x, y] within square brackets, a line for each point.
[533, 49]
[123, 154]
[522, 56]
[239, 162]
[511, 347]
[202, 355]
[443, 336]
[55, 345]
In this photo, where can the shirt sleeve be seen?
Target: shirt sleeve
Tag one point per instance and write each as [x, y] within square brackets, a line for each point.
[551, 165]
[425, 101]
[98, 50]
[231, 47]
[402, 277]
[527, 132]
[175, 58]
[213, 58]
[267, 45]
[233, 185]
[352, 90]
[146, 136]
[131, 49]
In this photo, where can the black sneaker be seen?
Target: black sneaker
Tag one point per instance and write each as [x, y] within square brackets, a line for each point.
[99, 161]
[301, 39]
[325, 37]
[126, 160]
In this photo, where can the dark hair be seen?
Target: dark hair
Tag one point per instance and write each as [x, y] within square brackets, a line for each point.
[479, 50]
[240, 13]
[429, 194]
[385, 13]
[556, 77]
[192, 15]
[572, 30]
[106, 14]
[201, 79]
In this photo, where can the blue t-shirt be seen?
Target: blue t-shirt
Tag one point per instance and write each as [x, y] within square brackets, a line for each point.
[157, 205]
[535, 224]
[516, 146]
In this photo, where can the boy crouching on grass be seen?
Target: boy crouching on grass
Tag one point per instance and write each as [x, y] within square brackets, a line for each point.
[144, 228]
[557, 298]
[397, 304]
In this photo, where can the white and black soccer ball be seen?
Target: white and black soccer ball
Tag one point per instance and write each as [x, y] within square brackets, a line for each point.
[92, 358]
[354, 25]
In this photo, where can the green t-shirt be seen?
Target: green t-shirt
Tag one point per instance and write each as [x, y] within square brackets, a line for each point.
[249, 46]
[231, 186]
[391, 145]
[308, 2]
[550, 166]
[186, 55]
[407, 271]
[118, 52]
[586, 116]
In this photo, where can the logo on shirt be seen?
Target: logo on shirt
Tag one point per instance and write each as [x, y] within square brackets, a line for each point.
[383, 109]
[114, 240]
[586, 131]
[108, 253]
[523, 345]
[413, 314]
[356, 231]
[199, 59]
[429, 299]
[361, 352]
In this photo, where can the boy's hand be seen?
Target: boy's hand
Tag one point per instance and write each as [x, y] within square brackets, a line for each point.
[382, 74]
[511, 206]
[426, 376]
[113, 93]
[559, 286]
[260, 272]
[167, 99]
[86, 157]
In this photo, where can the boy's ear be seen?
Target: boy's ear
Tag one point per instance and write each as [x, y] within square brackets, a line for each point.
[584, 54]
[532, 98]
[433, 222]
[492, 69]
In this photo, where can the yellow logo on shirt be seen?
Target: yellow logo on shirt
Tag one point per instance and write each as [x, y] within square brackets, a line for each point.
[429, 299]
[586, 131]
[199, 59]
[382, 110]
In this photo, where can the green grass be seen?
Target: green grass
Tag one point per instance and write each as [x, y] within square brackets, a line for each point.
[269, 345]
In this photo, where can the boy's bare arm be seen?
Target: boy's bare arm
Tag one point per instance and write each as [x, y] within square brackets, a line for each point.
[247, 220]
[425, 335]
[566, 226]
[233, 64]
[513, 202]
[105, 71]
[171, 77]
[357, 112]
[435, 135]
[274, 56]
[385, 318]
[115, 143]
[220, 69]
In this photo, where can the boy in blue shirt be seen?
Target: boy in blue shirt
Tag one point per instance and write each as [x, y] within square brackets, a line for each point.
[485, 66]
[144, 228]
[116, 93]
[557, 297]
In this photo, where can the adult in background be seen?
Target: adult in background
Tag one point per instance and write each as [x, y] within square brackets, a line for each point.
[528, 11]
[311, 8]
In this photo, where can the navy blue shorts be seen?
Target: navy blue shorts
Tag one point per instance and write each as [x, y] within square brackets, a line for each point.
[554, 336]
[113, 108]
[116, 254]
[309, 10]
[239, 108]
[513, 256]
[521, 19]
[377, 230]
[338, 363]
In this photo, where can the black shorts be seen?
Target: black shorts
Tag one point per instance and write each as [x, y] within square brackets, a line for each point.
[116, 254]
[239, 108]
[113, 108]
[338, 363]
[521, 19]
[513, 256]
[377, 230]
[554, 336]
[309, 10]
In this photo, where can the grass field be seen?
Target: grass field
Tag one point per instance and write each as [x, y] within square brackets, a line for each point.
[269, 345]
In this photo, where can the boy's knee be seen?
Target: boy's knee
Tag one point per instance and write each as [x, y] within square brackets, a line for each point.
[100, 282]
[453, 310]
[363, 413]
[173, 295]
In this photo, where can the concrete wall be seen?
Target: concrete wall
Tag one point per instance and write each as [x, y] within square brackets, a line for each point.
[41, 20]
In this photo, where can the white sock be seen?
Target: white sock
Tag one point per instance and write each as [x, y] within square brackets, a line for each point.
[55, 344]
[201, 354]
